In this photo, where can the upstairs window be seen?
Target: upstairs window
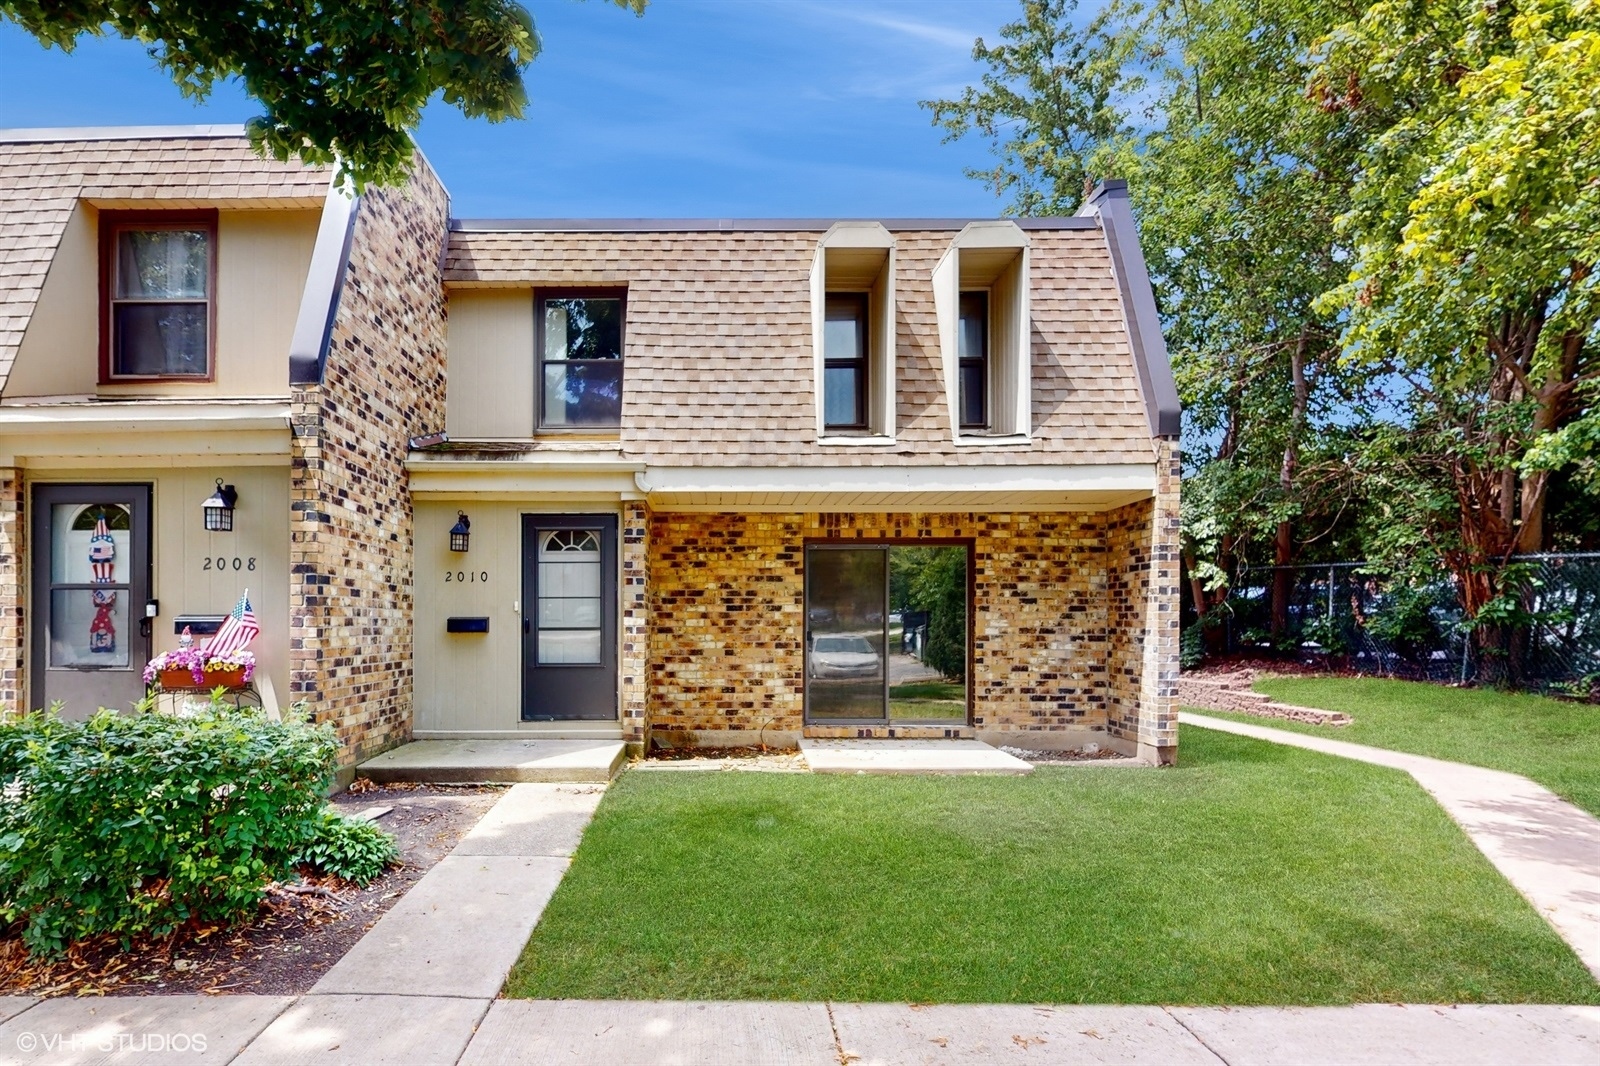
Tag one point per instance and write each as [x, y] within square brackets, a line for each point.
[580, 361]
[852, 334]
[980, 298]
[844, 370]
[974, 357]
[158, 274]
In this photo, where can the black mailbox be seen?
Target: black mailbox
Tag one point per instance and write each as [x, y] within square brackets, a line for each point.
[201, 625]
[466, 625]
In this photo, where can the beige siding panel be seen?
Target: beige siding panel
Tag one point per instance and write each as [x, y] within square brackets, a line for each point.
[262, 259]
[60, 351]
[492, 364]
[184, 581]
[468, 680]
[472, 681]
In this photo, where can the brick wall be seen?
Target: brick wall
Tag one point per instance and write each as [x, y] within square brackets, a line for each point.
[635, 663]
[1143, 617]
[727, 606]
[13, 651]
[351, 553]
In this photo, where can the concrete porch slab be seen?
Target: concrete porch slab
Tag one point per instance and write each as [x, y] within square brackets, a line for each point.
[909, 757]
[469, 761]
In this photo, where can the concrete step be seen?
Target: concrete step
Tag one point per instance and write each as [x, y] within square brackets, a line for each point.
[473, 761]
[909, 757]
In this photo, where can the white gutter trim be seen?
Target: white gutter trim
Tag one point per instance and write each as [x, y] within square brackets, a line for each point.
[965, 478]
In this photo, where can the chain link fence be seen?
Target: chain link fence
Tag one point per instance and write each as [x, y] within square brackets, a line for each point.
[1354, 617]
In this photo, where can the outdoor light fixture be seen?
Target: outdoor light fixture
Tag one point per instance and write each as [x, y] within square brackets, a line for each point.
[218, 509]
[459, 532]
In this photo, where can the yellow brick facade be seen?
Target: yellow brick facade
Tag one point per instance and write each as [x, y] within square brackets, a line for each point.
[1059, 606]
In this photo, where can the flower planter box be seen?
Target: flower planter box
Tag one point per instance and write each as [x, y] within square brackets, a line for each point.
[175, 680]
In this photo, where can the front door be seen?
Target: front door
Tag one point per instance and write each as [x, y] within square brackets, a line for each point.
[569, 618]
[91, 581]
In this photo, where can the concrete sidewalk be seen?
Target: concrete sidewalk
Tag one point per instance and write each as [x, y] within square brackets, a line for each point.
[1547, 848]
[366, 1029]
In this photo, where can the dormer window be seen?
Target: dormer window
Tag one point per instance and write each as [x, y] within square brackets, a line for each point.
[158, 271]
[852, 308]
[980, 296]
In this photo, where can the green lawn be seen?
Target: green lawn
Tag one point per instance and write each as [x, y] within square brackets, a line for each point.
[1250, 873]
[1551, 741]
[928, 699]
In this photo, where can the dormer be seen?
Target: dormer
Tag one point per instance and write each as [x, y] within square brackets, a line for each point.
[980, 295]
[853, 334]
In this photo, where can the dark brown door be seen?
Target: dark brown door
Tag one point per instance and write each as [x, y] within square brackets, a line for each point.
[569, 618]
[91, 582]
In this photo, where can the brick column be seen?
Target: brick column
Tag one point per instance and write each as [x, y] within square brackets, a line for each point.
[13, 561]
[1158, 710]
[635, 625]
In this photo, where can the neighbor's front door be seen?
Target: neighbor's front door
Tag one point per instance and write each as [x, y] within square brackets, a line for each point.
[569, 617]
[91, 581]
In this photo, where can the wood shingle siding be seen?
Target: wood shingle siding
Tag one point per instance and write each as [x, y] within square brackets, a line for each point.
[720, 362]
[42, 180]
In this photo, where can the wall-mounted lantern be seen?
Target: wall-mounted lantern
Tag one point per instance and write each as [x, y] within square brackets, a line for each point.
[459, 532]
[218, 508]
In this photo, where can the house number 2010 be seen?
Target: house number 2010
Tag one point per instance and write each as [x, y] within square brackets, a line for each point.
[223, 562]
[461, 577]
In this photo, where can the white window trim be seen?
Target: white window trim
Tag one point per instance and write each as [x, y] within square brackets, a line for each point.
[1015, 358]
[881, 399]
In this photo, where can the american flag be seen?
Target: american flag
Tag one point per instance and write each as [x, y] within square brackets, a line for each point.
[237, 631]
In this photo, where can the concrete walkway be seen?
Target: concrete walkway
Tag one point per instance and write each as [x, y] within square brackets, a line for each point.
[1547, 848]
[368, 1029]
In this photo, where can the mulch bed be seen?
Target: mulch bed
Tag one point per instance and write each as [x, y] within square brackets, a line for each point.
[301, 930]
[1071, 755]
[748, 757]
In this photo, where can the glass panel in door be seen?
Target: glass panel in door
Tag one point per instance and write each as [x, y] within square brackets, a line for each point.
[91, 637]
[846, 597]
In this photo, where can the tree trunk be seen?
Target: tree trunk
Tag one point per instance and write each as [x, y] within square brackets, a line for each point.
[1283, 541]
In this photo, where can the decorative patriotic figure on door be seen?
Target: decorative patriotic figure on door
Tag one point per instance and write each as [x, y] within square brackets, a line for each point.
[102, 566]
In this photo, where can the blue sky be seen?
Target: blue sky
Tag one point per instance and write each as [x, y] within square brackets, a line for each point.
[722, 108]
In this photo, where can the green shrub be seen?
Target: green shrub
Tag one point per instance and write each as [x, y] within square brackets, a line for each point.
[350, 848]
[136, 824]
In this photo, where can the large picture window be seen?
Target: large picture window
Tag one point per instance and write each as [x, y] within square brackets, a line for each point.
[580, 361]
[157, 313]
[844, 368]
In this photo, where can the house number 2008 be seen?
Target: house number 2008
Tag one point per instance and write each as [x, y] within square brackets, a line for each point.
[464, 576]
[223, 562]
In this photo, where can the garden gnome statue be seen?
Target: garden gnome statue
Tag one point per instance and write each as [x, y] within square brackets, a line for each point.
[186, 639]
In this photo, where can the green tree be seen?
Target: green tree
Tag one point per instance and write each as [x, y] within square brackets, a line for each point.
[1475, 229]
[342, 81]
[1237, 180]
